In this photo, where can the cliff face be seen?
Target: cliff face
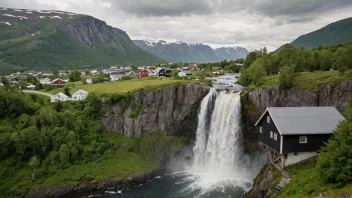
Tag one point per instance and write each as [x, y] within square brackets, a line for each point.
[171, 111]
[92, 31]
[329, 95]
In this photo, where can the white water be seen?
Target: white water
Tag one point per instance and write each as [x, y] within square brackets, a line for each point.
[219, 161]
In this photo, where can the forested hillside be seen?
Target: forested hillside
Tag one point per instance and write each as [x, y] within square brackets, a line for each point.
[290, 60]
[44, 144]
[336, 33]
[34, 39]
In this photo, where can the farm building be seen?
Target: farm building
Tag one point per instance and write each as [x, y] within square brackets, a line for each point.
[292, 134]
[58, 81]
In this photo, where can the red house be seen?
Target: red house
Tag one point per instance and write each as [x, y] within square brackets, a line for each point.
[142, 73]
[58, 81]
[192, 67]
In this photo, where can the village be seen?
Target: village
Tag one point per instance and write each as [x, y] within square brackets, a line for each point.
[46, 81]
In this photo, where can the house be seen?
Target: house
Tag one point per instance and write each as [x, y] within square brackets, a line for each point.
[45, 81]
[89, 81]
[142, 73]
[131, 74]
[215, 68]
[60, 97]
[80, 95]
[128, 68]
[168, 72]
[1, 84]
[116, 75]
[31, 87]
[159, 72]
[63, 74]
[193, 67]
[58, 81]
[94, 72]
[292, 134]
[184, 73]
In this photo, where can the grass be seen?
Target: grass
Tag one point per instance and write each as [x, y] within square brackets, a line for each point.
[304, 80]
[124, 86]
[277, 176]
[128, 156]
[306, 183]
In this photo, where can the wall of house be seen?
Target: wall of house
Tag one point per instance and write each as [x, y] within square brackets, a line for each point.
[291, 158]
[291, 143]
[264, 137]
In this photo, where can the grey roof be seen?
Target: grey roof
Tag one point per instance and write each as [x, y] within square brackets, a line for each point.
[304, 120]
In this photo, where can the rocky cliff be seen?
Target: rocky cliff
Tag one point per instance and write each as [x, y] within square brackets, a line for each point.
[171, 111]
[328, 95]
[256, 102]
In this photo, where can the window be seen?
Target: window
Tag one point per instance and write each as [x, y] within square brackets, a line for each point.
[275, 136]
[303, 139]
[268, 119]
[260, 129]
[271, 134]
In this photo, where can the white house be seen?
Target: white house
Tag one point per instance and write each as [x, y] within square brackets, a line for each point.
[184, 73]
[45, 81]
[31, 87]
[60, 97]
[1, 84]
[89, 81]
[80, 95]
[116, 75]
[94, 72]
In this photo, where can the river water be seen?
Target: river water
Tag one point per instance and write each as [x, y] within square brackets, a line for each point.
[220, 168]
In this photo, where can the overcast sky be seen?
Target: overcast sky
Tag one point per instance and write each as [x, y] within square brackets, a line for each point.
[252, 24]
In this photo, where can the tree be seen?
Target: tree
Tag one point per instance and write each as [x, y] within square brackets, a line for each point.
[286, 77]
[88, 73]
[257, 71]
[34, 163]
[335, 161]
[5, 81]
[67, 91]
[75, 76]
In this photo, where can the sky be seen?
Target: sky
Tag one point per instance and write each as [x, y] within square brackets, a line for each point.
[252, 24]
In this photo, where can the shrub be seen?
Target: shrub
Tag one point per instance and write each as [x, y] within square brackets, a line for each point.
[286, 77]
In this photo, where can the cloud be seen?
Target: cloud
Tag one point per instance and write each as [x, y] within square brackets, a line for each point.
[247, 23]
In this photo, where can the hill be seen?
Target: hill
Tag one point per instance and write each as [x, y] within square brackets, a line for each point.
[186, 52]
[231, 53]
[339, 32]
[38, 39]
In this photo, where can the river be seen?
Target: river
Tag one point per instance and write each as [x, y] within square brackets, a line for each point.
[220, 168]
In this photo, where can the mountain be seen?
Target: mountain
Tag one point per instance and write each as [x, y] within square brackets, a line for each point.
[231, 53]
[336, 33]
[54, 39]
[184, 52]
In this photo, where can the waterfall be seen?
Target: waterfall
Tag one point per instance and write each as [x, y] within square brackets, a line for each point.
[218, 152]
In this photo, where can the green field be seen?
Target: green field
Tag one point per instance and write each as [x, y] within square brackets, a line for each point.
[123, 86]
[306, 183]
[307, 80]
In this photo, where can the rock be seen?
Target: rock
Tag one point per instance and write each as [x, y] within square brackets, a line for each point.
[171, 111]
[262, 188]
[92, 31]
[332, 95]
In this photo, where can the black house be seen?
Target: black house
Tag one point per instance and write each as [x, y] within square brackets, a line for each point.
[292, 134]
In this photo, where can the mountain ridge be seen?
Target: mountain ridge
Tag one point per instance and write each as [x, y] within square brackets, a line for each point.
[189, 52]
[38, 39]
[335, 33]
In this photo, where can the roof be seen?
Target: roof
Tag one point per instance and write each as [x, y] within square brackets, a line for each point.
[304, 120]
[81, 91]
[62, 95]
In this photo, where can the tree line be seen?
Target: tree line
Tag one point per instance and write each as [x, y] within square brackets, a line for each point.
[290, 60]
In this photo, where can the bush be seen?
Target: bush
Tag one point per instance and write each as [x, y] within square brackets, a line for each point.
[135, 113]
[286, 77]
[335, 161]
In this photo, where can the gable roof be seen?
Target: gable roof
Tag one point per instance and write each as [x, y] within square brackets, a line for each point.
[81, 92]
[61, 95]
[304, 120]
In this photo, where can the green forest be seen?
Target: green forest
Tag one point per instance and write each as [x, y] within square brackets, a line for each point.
[44, 144]
[290, 60]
